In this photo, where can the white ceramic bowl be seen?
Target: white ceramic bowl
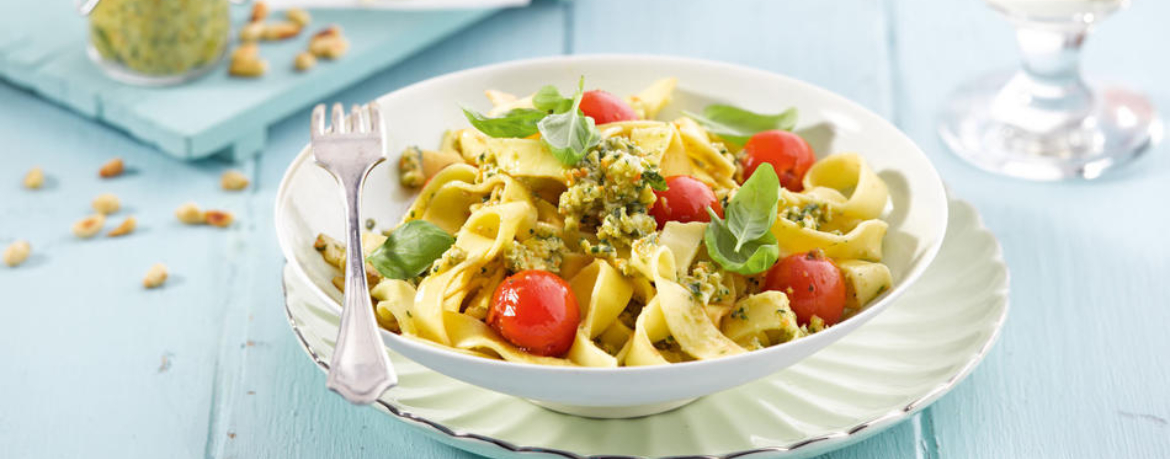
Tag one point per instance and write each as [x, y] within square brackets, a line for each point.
[308, 203]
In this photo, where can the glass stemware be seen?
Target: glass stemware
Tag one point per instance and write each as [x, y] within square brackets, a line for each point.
[1043, 121]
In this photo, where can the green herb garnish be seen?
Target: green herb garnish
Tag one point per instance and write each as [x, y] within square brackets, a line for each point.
[737, 125]
[410, 249]
[744, 243]
[569, 135]
[517, 123]
[549, 100]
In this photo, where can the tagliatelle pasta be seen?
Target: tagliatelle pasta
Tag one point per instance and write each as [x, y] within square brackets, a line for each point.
[648, 289]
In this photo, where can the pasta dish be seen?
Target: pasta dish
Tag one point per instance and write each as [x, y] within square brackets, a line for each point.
[580, 230]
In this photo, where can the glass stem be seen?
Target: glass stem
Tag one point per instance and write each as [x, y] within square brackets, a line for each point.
[1050, 80]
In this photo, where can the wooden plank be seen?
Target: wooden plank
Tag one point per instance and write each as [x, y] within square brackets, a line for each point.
[1078, 371]
[216, 111]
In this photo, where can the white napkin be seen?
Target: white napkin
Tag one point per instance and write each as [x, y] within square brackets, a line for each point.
[397, 4]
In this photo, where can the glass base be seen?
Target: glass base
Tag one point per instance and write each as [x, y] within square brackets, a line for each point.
[981, 127]
[124, 74]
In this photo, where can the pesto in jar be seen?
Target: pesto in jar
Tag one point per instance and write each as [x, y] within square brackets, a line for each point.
[160, 37]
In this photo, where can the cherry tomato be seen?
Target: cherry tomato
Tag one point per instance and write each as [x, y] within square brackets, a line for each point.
[536, 311]
[686, 199]
[604, 107]
[788, 154]
[813, 283]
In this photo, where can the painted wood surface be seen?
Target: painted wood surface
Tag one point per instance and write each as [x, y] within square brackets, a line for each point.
[206, 367]
[44, 51]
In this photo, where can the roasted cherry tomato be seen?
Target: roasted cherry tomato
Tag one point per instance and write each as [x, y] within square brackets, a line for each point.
[788, 154]
[813, 283]
[686, 199]
[604, 107]
[536, 311]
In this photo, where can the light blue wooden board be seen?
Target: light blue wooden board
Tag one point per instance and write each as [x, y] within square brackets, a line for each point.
[45, 52]
[1079, 371]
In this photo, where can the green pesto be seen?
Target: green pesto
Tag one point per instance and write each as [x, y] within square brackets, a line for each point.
[160, 37]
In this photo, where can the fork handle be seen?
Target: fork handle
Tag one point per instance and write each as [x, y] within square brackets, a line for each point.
[360, 370]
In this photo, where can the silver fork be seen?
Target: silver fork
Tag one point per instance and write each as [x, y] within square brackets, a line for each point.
[360, 370]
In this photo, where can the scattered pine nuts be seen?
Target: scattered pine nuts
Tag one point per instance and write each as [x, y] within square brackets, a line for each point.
[17, 253]
[128, 225]
[329, 43]
[298, 16]
[246, 61]
[155, 276]
[106, 203]
[249, 68]
[219, 218]
[34, 179]
[233, 181]
[305, 61]
[329, 47]
[281, 30]
[89, 226]
[259, 11]
[190, 214]
[251, 32]
[246, 51]
[111, 169]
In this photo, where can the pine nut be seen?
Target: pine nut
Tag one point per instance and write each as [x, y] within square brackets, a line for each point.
[113, 168]
[34, 179]
[259, 11]
[16, 253]
[89, 226]
[305, 61]
[106, 203]
[128, 226]
[190, 214]
[233, 181]
[155, 276]
[298, 16]
[219, 218]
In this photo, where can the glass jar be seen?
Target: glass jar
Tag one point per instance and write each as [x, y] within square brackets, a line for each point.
[157, 42]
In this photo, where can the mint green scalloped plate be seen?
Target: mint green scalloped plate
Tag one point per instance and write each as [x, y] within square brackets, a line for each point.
[888, 369]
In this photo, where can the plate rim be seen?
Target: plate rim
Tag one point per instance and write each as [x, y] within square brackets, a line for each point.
[854, 432]
[862, 318]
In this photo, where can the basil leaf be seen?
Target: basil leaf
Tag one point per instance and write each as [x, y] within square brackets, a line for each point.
[744, 243]
[410, 250]
[752, 211]
[549, 100]
[654, 179]
[569, 135]
[737, 125]
[752, 257]
[517, 123]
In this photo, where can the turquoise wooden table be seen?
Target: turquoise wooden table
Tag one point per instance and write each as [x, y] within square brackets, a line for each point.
[206, 367]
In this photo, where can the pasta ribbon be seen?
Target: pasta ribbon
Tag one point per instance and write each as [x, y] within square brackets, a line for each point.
[652, 99]
[863, 242]
[763, 319]
[864, 281]
[602, 294]
[527, 158]
[851, 175]
[449, 189]
[683, 240]
[394, 301]
[711, 166]
[469, 333]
